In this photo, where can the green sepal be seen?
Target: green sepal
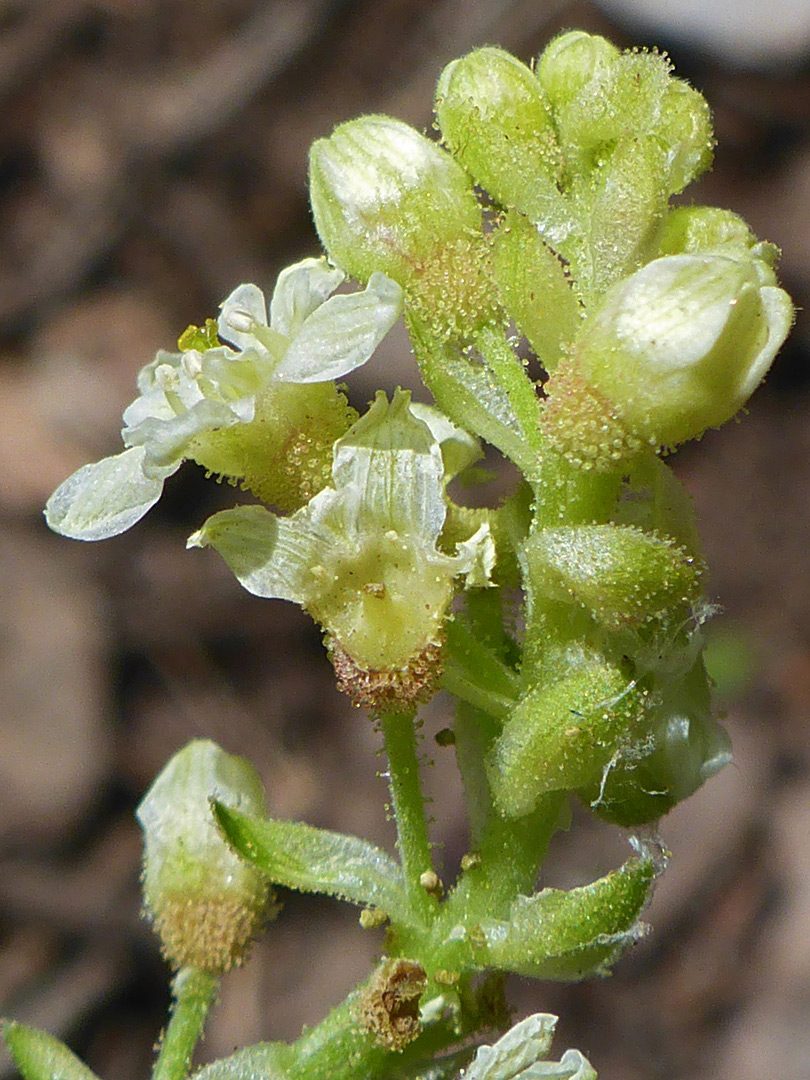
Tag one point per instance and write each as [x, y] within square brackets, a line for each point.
[568, 935]
[563, 731]
[308, 859]
[535, 288]
[40, 1056]
[620, 205]
[621, 575]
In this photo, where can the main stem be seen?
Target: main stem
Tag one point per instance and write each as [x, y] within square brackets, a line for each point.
[408, 803]
[193, 993]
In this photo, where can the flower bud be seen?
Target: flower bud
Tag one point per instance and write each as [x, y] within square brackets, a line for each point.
[563, 732]
[570, 61]
[494, 117]
[205, 902]
[623, 576]
[386, 198]
[675, 349]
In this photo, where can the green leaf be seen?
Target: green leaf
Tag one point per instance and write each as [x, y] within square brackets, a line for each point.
[469, 394]
[316, 860]
[40, 1056]
[568, 935]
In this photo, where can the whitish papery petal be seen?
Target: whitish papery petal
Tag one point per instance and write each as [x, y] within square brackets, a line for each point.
[244, 309]
[270, 556]
[459, 448]
[300, 289]
[393, 459]
[342, 333]
[165, 441]
[106, 498]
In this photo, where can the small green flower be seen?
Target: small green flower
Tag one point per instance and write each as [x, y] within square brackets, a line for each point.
[247, 412]
[362, 557]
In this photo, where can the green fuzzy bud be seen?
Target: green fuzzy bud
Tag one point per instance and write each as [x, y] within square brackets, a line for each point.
[562, 732]
[675, 349]
[205, 902]
[495, 120]
[636, 96]
[688, 230]
[570, 61]
[622, 576]
[685, 747]
[386, 198]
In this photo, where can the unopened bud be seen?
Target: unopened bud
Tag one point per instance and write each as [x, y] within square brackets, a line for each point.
[675, 349]
[386, 198]
[570, 61]
[495, 119]
[205, 902]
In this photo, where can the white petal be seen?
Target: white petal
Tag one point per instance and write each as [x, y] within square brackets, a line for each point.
[165, 441]
[244, 307]
[300, 289]
[342, 333]
[459, 448]
[476, 557]
[395, 465]
[105, 499]
[270, 556]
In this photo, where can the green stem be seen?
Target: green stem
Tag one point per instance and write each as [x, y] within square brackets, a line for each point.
[193, 992]
[408, 804]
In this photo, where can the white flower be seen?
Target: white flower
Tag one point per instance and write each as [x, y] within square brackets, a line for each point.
[362, 555]
[188, 401]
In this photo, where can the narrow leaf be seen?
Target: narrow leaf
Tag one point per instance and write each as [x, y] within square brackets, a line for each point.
[316, 860]
[40, 1056]
[568, 935]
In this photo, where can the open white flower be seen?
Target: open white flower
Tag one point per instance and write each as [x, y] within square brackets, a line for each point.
[247, 412]
[361, 557]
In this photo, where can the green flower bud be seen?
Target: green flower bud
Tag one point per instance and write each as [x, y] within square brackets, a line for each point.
[386, 198]
[634, 96]
[205, 902]
[563, 732]
[689, 230]
[621, 575]
[494, 117]
[570, 61]
[675, 349]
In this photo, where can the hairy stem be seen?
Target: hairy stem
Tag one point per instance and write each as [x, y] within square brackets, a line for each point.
[408, 804]
[193, 992]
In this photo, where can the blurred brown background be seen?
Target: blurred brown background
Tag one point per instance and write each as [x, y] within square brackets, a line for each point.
[153, 155]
